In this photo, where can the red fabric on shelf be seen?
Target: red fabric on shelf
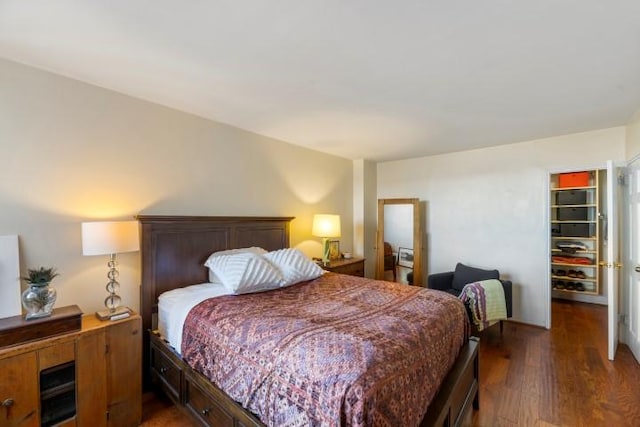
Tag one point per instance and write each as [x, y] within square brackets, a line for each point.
[572, 260]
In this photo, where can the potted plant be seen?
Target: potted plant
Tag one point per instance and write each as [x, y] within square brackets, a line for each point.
[38, 299]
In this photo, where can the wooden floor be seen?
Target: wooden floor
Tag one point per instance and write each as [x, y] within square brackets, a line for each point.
[562, 377]
[158, 411]
[533, 377]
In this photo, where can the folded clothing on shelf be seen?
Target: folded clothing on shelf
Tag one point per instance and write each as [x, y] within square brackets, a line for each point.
[572, 260]
[571, 247]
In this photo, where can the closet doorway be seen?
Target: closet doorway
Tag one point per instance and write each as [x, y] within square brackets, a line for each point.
[400, 227]
[584, 246]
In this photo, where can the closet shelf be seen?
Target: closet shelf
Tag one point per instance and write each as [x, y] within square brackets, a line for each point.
[576, 252]
[589, 187]
[574, 279]
[576, 292]
[572, 238]
[572, 221]
[588, 205]
[575, 265]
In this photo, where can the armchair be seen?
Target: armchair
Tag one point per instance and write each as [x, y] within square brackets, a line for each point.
[453, 281]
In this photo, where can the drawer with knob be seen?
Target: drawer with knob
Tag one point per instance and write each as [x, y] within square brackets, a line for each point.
[165, 371]
[352, 266]
[203, 407]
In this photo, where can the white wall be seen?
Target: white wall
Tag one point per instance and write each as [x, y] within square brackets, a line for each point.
[487, 207]
[72, 152]
[365, 213]
[633, 136]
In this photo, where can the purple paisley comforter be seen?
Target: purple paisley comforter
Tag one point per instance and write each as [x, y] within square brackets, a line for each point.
[337, 350]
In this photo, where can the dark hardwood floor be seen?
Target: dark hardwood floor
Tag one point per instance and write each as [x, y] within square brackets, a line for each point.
[530, 376]
[158, 411]
[535, 377]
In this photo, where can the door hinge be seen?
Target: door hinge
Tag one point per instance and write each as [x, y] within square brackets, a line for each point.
[623, 318]
[622, 180]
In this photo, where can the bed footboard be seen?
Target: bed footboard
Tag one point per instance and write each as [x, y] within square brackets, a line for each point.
[459, 393]
[209, 406]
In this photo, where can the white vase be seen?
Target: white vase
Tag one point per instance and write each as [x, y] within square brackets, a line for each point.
[38, 300]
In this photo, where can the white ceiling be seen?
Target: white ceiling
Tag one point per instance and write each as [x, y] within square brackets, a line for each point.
[372, 79]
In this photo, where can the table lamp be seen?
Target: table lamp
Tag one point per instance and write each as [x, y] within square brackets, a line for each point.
[112, 238]
[326, 226]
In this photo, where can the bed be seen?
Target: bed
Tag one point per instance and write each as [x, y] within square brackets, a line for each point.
[174, 249]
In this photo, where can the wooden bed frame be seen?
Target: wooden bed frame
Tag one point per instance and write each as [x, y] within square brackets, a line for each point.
[174, 249]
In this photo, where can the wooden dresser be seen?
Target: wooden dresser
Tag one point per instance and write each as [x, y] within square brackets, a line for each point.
[89, 377]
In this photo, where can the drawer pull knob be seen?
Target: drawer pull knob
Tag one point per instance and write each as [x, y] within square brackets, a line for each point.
[7, 403]
[205, 412]
[163, 369]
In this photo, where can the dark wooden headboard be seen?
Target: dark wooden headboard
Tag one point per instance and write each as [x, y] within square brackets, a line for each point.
[174, 249]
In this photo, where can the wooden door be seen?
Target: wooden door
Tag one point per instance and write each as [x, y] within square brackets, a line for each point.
[613, 263]
[631, 283]
[124, 362]
[19, 394]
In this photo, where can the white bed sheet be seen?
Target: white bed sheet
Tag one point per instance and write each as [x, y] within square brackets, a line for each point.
[175, 305]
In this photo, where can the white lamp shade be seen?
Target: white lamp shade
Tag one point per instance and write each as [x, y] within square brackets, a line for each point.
[325, 225]
[109, 237]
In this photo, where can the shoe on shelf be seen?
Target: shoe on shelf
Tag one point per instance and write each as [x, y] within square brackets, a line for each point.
[572, 273]
[581, 275]
[560, 285]
[571, 286]
[561, 273]
[580, 287]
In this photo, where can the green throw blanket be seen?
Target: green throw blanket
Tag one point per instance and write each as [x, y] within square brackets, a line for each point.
[486, 302]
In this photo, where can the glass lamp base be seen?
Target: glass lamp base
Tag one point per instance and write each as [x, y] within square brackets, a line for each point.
[120, 312]
[325, 251]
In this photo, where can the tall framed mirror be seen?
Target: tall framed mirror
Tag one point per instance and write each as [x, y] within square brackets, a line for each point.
[400, 232]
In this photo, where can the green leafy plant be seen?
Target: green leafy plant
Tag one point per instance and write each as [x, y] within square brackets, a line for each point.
[40, 276]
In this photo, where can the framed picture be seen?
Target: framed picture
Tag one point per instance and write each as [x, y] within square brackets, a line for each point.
[334, 250]
[10, 302]
[405, 257]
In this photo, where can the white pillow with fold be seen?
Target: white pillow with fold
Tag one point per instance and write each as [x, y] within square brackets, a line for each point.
[244, 273]
[294, 266]
[252, 250]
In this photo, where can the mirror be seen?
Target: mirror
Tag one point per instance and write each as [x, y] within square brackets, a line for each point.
[399, 220]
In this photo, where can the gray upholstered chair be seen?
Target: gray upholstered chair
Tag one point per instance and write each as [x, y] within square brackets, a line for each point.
[453, 281]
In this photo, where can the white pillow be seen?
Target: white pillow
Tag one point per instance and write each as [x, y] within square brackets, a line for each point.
[252, 250]
[245, 272]
[294, 266]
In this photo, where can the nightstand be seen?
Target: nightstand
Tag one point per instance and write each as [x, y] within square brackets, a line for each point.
[352, 266]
